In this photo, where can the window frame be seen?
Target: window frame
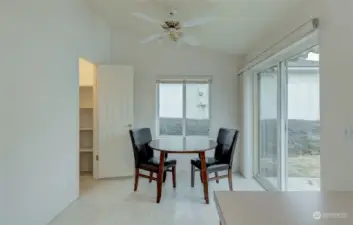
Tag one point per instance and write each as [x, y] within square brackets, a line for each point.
[184, 82]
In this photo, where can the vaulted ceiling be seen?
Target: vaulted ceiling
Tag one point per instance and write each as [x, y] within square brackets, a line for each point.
[238, 24]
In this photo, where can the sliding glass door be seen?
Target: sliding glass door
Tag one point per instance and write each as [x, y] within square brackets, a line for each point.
[303, 124]
[183, 108]
[288, 124]
[268, 157]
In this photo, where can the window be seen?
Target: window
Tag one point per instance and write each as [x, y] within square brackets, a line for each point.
[171, 109]
[183, 108]
[197, 110]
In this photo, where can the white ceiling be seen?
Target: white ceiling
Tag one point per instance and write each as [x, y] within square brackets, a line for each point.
[239, 24]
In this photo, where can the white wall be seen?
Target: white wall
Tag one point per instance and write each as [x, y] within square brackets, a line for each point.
[336, 49]
[153, 60]
[336, 86]
[40, 44]
[87, 71]
[285, 28]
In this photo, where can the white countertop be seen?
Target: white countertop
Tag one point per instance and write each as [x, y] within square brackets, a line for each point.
[284, 208]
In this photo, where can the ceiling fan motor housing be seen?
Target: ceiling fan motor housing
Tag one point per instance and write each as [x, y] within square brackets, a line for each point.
[171, 24]
[173, 28]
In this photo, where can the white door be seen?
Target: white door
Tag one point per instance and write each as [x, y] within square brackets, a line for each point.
[114, 119]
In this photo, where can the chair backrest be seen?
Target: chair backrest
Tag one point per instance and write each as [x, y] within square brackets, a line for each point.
[226, 140]
[140, 138]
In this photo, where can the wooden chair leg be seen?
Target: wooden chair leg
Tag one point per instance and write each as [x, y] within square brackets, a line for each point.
[137, 173]
[200, 170]
[216, 175]
[160, 178]
[164, 176]
[174, 176]
[159, 186]
[151, 176]
[192, 176]
[230, 179]
[204, 175]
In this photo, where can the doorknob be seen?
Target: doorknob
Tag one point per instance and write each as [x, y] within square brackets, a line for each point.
[129, 125]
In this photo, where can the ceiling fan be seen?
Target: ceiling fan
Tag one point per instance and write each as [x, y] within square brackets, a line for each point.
[173, 29]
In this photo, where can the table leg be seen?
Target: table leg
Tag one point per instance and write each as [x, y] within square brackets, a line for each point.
[160, 177]
[204, 176]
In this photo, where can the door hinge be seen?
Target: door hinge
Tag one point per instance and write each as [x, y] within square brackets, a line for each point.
[97, 157]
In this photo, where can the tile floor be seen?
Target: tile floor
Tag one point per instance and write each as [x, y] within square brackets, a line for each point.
[299, 183]
[113, 202]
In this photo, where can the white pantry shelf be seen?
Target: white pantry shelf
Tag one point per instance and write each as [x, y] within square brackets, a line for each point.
[86, 129]
[86, 150]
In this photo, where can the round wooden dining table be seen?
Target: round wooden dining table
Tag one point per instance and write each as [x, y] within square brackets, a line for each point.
[185, 145]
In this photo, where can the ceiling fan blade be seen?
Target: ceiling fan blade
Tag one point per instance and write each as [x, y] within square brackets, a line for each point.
[179, 42]
[151, 38]
[198, 21]
[190, 40]
[145, 17]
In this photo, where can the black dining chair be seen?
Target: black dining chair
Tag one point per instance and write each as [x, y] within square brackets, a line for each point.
[222, 159]
[145, 160]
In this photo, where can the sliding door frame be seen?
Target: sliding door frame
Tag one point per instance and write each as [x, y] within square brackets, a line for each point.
[280, 58]
[282, 131]
[282, 125]
[257, 101]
